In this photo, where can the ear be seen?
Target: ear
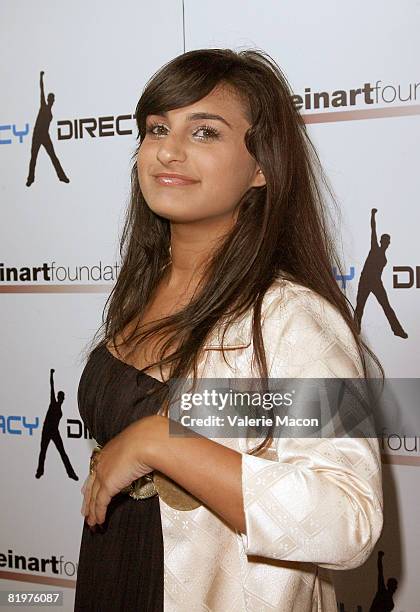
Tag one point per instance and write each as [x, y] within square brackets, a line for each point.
[259, 179]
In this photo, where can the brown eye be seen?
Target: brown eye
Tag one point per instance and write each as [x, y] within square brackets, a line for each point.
[150, 128]
[210, 132]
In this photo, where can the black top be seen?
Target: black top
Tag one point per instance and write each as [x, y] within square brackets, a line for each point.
[120, 569]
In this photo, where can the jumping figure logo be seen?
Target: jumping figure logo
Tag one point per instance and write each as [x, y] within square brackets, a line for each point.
[371, 281]
[50, 432]
[383, 600]
[41, 136]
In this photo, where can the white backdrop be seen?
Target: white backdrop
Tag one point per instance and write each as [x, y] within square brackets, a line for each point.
[97, 57]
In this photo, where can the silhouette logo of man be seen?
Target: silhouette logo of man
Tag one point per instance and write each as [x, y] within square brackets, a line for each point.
[50, 432]
[371, 281]
[41, 136]
[383, 600]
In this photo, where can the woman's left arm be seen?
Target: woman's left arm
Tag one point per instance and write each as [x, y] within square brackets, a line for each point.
[321, 502]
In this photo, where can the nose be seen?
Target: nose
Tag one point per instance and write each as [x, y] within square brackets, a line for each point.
[171, 148]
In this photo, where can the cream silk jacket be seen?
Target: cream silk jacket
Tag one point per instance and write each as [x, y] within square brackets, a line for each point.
[311, 504]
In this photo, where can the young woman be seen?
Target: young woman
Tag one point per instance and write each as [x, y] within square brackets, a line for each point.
[226, 272]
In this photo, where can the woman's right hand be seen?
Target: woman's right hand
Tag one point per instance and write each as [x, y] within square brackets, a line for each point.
[87, 485]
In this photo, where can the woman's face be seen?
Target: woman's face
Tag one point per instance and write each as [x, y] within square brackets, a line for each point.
[208, 150]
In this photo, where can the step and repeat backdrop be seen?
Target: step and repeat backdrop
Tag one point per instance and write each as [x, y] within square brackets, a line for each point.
[71, 76]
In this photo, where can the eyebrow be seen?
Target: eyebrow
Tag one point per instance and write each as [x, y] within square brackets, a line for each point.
[195, 116]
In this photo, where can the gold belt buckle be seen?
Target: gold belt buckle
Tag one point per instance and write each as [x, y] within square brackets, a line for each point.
[153, 484]
[173, 494]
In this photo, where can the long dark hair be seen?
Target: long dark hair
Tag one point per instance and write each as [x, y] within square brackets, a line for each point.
[282, 229]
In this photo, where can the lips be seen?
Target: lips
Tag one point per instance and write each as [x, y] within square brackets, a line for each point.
[174, 179]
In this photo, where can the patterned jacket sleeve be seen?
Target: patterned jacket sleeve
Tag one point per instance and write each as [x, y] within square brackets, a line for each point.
[320, 500]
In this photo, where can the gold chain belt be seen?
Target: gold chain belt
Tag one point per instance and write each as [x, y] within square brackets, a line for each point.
[152, 484]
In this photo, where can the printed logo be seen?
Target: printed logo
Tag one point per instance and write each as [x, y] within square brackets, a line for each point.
[383, 600]
[42, 137]
[371, 282]
[50, 432]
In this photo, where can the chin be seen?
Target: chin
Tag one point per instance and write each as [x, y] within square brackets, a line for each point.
[177, 218]
[174, 212]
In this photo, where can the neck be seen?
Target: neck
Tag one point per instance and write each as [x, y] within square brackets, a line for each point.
[192, 245]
